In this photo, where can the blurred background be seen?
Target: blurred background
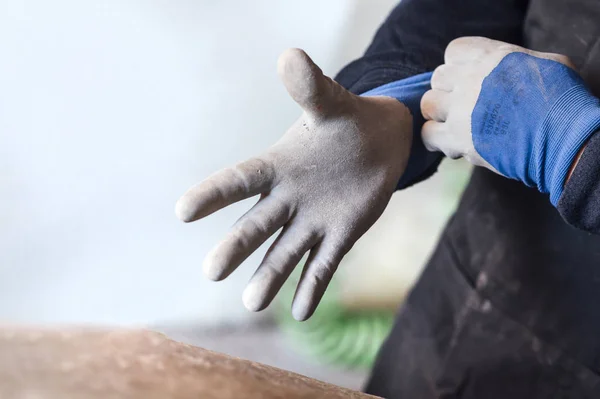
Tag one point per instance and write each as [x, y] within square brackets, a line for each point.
[110, 110]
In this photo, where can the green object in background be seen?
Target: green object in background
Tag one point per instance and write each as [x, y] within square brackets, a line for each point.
[333, 334]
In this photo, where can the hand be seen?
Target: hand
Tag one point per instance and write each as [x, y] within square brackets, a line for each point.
[520, 113]
[325, 182]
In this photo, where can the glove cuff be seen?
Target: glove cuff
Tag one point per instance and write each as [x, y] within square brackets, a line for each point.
[421, 163]
[572, 120]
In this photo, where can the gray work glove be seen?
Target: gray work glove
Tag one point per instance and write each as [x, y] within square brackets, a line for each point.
[325, 182]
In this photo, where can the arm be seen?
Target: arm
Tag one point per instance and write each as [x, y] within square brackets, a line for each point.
[412, 41]
[413, 38]
[523, 114]
[331, 175]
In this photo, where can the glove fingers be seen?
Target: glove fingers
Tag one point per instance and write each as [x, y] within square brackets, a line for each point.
[469, 49]
[443, 77]
[306, 84]
[281, 259]
[225, 187]
[316, 275]
[435, 105]
[247, 234]
[436, 138]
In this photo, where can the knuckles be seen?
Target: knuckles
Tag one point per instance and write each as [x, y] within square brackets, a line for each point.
[563, 59]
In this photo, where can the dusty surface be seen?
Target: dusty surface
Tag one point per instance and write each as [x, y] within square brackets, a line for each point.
[84, 363]
[267, 344]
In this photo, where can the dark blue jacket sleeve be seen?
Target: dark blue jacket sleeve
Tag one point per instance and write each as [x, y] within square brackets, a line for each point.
[412, 41]
[579, 203]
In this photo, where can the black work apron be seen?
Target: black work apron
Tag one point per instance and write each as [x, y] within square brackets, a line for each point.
[508, 306]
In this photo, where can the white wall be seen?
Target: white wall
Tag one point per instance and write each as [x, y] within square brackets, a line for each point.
[109, 110]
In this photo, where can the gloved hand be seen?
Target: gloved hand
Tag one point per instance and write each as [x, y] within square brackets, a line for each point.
[520, 113]
[326, 181]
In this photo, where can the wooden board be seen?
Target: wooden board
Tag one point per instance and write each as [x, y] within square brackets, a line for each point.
[65, 363]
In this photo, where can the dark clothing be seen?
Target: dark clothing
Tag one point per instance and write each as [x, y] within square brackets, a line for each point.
[507, 305]
[413, 38]
[580, 201]
[572, 28]
[505, 308]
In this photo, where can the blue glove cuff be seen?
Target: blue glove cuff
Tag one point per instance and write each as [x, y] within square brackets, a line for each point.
[409, 92]
[573, 119]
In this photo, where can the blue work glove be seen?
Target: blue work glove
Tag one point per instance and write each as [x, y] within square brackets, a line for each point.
[520, 113]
